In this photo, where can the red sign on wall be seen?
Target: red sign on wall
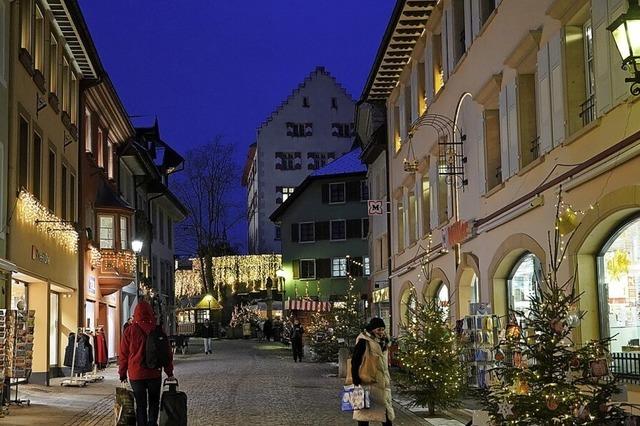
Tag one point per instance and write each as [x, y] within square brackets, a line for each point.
[456, 233]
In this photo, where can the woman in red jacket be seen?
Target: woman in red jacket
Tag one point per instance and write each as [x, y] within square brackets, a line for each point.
[145, 382]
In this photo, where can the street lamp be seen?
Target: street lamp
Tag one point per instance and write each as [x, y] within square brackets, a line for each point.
[136, 246]
[209, 298]
[281, 277]
[626, 33]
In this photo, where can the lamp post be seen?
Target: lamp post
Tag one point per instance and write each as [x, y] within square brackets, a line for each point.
[209, 298]
[626, 34]
[136, 246]
[281, 277]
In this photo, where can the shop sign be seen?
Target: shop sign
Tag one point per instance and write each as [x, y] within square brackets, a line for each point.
[456, 233]
[375, 207]
[381, 295]
[39, 255]
[92, 285]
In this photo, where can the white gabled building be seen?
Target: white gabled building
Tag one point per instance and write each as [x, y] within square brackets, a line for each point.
[312, 127]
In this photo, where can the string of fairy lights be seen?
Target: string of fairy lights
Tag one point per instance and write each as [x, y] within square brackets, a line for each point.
[32, 213]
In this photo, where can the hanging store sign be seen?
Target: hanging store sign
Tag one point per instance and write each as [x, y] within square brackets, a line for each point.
[39, 255]
[92, 285]
[456, 233]
[375, 207]
[381, 295]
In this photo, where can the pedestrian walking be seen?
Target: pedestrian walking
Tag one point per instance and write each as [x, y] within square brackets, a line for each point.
[267, 329]
[296, 340]
[135, 358]
[369, 367]
[207, 335]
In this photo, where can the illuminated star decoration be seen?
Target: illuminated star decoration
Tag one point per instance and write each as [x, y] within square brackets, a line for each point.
[505, 409]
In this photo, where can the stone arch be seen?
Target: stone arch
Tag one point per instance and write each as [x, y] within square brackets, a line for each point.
[505, 258]
[467, 270]
[437, 277]
[596, 227]
[405, 294]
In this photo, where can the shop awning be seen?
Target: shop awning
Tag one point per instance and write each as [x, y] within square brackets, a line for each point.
[307, 305]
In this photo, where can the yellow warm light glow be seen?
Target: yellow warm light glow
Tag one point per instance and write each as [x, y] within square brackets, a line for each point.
[32, 213]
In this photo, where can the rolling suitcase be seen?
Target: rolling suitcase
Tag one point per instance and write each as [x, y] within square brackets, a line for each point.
[173, 405]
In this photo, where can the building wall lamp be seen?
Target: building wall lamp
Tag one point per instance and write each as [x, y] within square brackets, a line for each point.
[626, 34]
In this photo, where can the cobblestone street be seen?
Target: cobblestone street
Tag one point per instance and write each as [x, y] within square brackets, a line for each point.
[242, 383]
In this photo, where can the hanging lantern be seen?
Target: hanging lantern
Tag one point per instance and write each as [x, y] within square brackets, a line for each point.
[552, 402]
[513, 330]
[626, 34]
[573, 319]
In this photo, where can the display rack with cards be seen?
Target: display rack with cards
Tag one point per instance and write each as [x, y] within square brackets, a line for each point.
[481, 336]
[20, 326]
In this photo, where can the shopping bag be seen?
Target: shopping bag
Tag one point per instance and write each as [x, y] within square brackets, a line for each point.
[355, 398]
[125, 413]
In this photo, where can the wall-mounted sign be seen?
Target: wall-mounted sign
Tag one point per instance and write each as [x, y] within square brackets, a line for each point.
[39, 255]
[375, 207]
[92, 285]
[456, 233]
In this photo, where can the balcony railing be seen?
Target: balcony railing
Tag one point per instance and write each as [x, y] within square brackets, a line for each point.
[534, 148]
[588, 110]
[117, 262]
[626, 366]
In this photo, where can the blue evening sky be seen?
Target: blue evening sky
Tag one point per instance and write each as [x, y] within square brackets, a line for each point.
[220, 67]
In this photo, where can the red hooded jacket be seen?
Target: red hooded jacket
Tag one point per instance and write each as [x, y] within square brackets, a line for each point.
[132, 346]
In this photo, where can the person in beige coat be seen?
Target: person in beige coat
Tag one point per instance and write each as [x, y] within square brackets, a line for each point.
[369, 367]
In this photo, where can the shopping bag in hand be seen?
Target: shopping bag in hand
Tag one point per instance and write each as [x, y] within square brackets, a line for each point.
[125, 413]
[355, 398]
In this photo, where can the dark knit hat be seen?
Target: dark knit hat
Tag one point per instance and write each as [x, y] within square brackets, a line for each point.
[374, 323]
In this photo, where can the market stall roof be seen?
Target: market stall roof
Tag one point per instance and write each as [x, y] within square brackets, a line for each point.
[206, 303]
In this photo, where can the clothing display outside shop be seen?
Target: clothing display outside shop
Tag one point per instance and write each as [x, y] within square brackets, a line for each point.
[101, 349]
[81, 356]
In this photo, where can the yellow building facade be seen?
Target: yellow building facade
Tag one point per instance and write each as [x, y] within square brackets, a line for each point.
[493, 108]
[47, 62]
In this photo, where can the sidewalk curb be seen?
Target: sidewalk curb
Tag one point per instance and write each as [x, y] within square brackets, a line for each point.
[419, 419]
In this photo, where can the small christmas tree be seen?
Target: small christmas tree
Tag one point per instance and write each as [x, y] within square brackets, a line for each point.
[542, 376]
[323, 341]
[432, 372]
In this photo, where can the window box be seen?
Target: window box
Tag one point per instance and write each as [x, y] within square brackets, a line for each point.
[26, 60]
[38, 79]
[54, 103]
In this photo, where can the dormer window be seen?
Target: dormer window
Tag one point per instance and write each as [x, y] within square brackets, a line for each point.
[299, 130]
[342, 130]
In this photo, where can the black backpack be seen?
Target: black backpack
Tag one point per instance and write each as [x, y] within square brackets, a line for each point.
[156, 351]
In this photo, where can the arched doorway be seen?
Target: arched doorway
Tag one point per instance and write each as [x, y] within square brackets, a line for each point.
[618, 265]
[407, 305]
[523, 283]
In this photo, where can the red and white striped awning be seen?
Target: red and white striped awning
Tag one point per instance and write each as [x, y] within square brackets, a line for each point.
[307, 305]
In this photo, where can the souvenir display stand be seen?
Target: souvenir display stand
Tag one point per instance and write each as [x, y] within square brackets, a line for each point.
[481, 334]
[18, 349]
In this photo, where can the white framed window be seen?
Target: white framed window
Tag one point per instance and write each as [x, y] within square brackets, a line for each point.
[287, 191]
[106, 231]
[53, 64]
[338, 230]
[364, 190]
[339, 267]
[366, 266]
[124, 233]
[337, 193]
[65, 84]
[307, 269]
[307, 232]
[364, 223]
[38, 51]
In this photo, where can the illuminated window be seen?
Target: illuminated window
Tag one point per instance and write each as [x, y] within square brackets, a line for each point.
[106, 232]
[339, 267]
[124, 233]
[523, 284]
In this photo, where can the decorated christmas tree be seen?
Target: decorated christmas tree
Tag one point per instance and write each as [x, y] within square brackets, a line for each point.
[542, 376]
[328, 332]
[432, 373]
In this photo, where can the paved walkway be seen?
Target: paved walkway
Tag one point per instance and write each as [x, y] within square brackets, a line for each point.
[243, 382]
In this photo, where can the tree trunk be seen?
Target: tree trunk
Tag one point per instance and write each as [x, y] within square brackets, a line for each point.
[204, 275]
[208, 261]
[432, 408]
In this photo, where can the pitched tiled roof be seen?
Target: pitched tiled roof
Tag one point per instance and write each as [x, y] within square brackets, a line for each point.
[348, 163]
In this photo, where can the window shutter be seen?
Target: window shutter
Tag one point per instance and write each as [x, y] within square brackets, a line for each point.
[354, 228]
[365, 224]
[322, 231]
[323, 268]
[325, 193]
[294, 232]
[354, 268]
[353, 191]
[514, 139]
[482, 158]
[544, 100]
[296, 268]
[504, 134]
[433, 184]
[601, 54]
[428, 72]
[557, 88]
[446, 44]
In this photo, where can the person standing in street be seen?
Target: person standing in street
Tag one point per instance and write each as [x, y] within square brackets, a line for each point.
[296, 340]
[369, 367]
[145, 382]
[207, 335]
[267, 329]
